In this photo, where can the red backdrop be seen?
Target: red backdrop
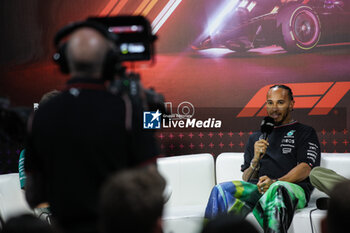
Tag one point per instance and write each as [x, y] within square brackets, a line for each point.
[219, 83]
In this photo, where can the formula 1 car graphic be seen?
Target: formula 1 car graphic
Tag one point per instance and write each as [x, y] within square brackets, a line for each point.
[296, 25]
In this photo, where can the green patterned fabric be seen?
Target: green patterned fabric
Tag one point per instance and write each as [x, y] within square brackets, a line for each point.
[282, 198]
[274, 210]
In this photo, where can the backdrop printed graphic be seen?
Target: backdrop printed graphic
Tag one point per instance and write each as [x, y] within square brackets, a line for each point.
[211, 78]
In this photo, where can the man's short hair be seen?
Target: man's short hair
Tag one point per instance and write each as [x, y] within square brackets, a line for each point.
[132, 201]
[339, 208]
[290, 93]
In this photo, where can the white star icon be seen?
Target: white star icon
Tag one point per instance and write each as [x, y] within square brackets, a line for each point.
[155, 115]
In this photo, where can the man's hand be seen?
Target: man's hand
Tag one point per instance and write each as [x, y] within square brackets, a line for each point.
[264, 184]
[260, 149]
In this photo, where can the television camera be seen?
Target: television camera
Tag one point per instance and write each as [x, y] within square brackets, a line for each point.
[134, 41]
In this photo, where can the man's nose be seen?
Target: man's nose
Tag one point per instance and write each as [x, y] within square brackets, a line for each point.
[274, 106]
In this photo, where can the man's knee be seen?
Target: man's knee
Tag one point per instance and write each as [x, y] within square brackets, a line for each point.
[315, 174]
[279, 188]
[277, 185]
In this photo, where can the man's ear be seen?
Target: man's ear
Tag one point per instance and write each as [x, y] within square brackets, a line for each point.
[324, 225]
[291, 105]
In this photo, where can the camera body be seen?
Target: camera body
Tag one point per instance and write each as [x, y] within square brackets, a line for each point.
[135, 40]
[130, 85]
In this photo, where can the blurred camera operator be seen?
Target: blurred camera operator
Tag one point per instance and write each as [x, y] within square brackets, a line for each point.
[79, 138]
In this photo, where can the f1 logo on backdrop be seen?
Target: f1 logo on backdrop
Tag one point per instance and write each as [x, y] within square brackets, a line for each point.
[321, 97]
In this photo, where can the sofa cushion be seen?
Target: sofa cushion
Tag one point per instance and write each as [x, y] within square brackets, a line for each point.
[12, 200]
[191, 178]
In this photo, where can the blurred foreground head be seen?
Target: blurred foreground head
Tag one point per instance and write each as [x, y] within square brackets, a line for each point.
[339, 209]
[27, 223]
[86, 51]
[229, 224]
[132, 201]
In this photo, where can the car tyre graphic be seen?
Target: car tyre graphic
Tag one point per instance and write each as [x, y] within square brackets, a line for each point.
[301, 28]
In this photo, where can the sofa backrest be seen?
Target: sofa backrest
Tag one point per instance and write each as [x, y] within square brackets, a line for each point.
[191, 178]
[339, 162]
[228, 165]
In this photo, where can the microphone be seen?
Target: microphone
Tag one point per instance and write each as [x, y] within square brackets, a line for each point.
[267, 126]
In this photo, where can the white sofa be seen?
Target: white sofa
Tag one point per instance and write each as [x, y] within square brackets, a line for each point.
[12, 200]
[191, 184]
[191, 178]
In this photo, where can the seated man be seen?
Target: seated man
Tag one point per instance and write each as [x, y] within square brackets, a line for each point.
[275, 171]
[43, 209]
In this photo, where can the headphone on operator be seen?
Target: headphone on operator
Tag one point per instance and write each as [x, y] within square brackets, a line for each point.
[60, 56]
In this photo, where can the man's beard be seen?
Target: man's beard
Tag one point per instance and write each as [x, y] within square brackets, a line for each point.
[278, 123]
